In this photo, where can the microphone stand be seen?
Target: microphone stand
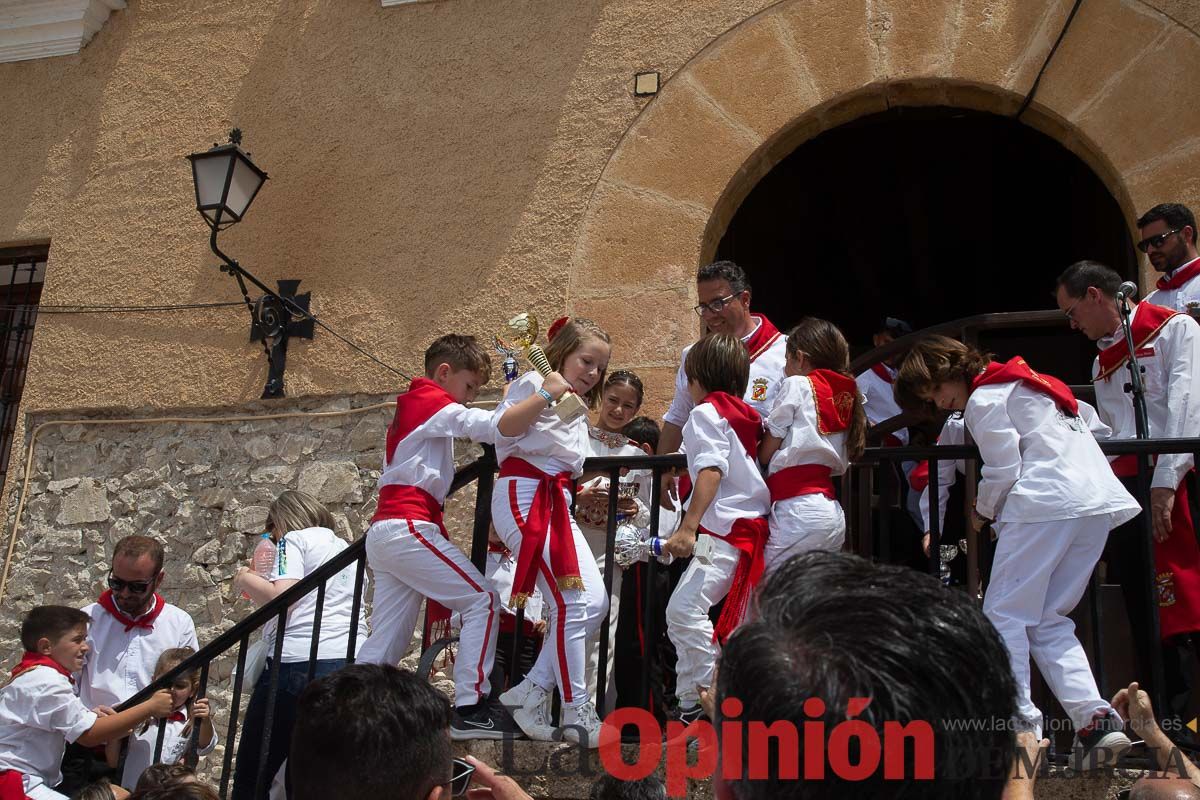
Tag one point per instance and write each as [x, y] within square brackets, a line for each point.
[1137, 387]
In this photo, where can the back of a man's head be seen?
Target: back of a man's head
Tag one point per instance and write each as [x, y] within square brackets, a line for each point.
[369, 731]
[832, 627]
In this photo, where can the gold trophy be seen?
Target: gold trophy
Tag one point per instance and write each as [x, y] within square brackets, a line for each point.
[524, 330]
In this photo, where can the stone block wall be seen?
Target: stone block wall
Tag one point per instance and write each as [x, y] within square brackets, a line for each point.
[200, 481]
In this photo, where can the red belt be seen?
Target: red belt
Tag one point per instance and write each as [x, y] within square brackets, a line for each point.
[749, 535]
[12, 785]
[1126, 466]
[398, 501]
[549, 517]
[801, 479]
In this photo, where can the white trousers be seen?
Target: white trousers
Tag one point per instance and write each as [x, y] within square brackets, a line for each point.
[799, 524]
[1039, 574]
[575, 615]
[596, 539]
[411, 560]
[43, 792]
[688, 626]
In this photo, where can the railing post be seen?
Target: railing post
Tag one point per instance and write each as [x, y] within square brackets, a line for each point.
[1153, 641]
[484, 483]
[649, 598]
[935, 520]
[610, 537]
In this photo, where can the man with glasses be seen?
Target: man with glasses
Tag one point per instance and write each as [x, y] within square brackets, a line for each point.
[1168, 350]
[724, 307]
[131, 626]
[1168, 237]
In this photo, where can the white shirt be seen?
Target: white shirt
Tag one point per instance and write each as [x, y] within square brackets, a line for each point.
[551, 445]
[709, 441]
[425, 457]
[953, 432]
[766, 372]
[141, 748]
[301, 553]
[794, 419]
[1039, 464]
[1172, 378]
[880, 403]
[120, 664]
[39, 714]
[1177, 299]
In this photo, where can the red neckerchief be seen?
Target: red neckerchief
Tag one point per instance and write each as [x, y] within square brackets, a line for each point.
[145, 621]
[1017, 370]
[745, 421]
[883, 372]
[834, 395]
[1148, 321]
[12, 785]
[177, 716]
[29, 660]
[763, 337]
[549, 517]
[1180, 276]
[423, 399]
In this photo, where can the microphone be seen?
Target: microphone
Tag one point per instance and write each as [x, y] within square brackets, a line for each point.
[1127, 290]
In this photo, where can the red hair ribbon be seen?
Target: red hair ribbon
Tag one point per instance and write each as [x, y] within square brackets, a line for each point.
[555, 327]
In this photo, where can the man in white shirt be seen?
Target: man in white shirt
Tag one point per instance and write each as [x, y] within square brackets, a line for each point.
[724, 307]
[1168, 350]
[1168, 237]
[131, 626]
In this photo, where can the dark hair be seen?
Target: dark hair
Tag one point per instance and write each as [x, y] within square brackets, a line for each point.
[827, 348]
[934, 360]
[460, 352]
[1176, 215]
[628, 378]
[894, 326]
[50, 622]
[608, 787]
[840, 627]
[366, 731]
[719, 363]
[99, 790]
[157, 775]
[1076, 279]
[183, 790]
[642, 430]
[137, 546]
[726, 271]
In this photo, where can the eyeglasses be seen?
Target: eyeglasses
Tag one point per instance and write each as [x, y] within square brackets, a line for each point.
[715, 306]
[1155, 241]
[135, 587]
[461, 780]
[1069, 311]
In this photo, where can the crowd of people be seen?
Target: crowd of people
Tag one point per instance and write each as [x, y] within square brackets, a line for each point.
[760, 614]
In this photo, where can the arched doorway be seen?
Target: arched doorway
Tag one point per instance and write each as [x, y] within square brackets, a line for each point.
[928, 214]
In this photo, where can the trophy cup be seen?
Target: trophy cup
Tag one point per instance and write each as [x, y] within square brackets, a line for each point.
[524, 330]
[509, 365]
[947, 553]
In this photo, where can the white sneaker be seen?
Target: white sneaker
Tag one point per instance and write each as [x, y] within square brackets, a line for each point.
[530, 708]
[582, 726]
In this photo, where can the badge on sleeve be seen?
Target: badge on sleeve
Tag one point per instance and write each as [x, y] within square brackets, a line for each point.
[758, 389]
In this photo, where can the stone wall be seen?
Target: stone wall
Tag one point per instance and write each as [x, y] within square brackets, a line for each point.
[200, 481]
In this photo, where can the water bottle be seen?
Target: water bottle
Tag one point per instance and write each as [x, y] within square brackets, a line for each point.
[263, 559]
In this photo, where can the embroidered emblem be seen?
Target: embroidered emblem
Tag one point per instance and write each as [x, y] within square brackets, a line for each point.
[608, 438]
[1165, 584]
[758, 389]
[844, 403]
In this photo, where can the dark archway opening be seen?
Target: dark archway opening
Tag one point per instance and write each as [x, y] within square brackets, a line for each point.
[928, 214]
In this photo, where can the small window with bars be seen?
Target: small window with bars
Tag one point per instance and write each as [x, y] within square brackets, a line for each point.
[21, 272]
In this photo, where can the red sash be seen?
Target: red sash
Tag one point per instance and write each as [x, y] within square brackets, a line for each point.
[799, 480]
[423, 399]
[397, 501]
[29, 660]
[761, 340]
[145, 621]
[1181, 276]
[748, 534]
[1147, 323]
[834, 394]
[918, 479]
[1017, 370]
[549, 516]
[12, 785]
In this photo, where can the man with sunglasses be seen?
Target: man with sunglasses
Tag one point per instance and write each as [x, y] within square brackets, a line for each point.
[1168, 237]
[724, 307]
[131, 626]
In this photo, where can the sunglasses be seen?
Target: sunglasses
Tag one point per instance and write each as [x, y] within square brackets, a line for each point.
[135, 587]
[1155, 241]
[460, 781]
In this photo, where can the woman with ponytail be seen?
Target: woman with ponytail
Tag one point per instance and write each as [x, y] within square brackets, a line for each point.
[816, 427]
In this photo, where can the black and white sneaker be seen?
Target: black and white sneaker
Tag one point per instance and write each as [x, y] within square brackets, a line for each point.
[689, 715]
[1100, 744]
[483, 721]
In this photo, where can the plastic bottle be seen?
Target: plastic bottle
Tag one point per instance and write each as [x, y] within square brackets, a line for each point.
[655, 548]
[262, 562]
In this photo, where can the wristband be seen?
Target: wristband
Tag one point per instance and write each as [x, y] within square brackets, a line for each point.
[545, 394]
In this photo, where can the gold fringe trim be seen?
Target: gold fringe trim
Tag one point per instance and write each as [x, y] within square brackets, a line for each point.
[518, 600]
[571, 582]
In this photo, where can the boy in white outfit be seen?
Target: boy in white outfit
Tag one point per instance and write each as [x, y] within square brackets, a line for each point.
[1049, 493]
